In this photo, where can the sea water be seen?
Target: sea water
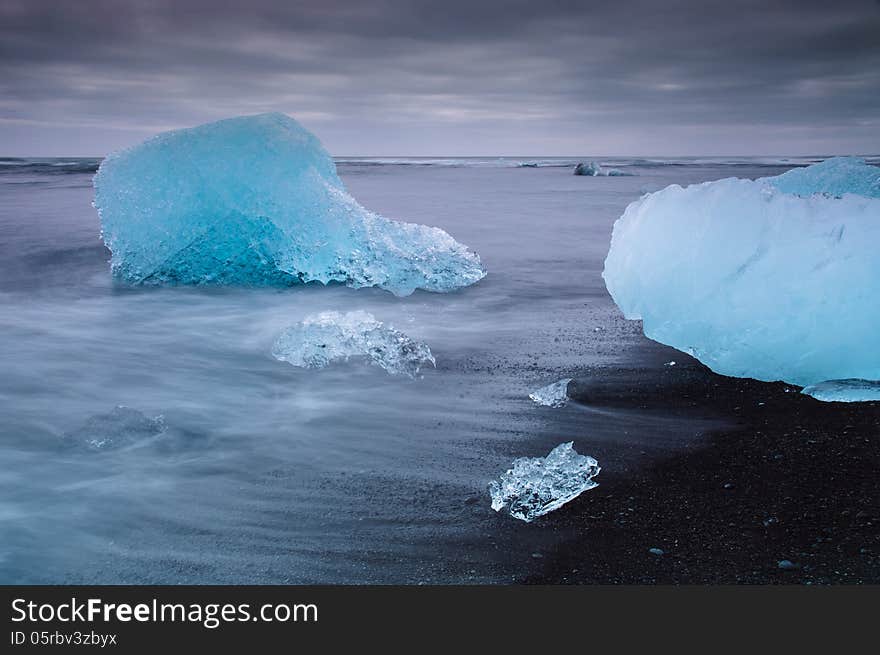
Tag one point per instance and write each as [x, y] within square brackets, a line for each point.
[268, 473]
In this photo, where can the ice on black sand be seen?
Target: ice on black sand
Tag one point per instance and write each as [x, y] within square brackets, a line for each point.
[535, 486]
[769, 279]
[553, 395]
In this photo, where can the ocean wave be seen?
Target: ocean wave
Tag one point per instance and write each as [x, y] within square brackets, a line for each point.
[49, 165]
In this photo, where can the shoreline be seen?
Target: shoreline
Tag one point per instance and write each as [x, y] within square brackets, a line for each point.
[785, 495]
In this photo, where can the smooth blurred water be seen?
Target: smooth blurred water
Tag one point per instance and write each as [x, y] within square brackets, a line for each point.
[268, 473]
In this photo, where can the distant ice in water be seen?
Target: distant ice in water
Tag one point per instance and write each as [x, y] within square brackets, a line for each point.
[330, 337]
[844, 391]
[119, 428]
[773, 279]
[538, 485]
[553, 395]
[594, 169]
[256, 200]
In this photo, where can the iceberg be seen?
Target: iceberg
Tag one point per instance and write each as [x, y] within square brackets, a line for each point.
[330, 337]
[257, 201]
[833, 177]
[773, 279]
[121, 427]
[594, 169]
[535, 486]
[553, 395]
[844, 391]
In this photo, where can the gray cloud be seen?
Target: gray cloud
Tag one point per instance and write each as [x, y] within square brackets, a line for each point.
[451, 77]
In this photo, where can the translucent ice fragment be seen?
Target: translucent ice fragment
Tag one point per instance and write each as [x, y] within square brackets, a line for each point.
[538, 485]
[553, 395]
[121, 427]
[844, 391]
[256, 200]
[331, 337]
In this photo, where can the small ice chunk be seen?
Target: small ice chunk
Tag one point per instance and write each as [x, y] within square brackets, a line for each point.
[538, 485]
[121, 427]
[553, 395]
[844, 391]
[329, 337]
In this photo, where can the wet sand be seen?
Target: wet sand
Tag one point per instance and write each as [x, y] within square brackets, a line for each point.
[787, 479]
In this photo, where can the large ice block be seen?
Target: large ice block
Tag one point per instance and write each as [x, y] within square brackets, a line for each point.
[773, 279]
[256, 200]
[834, 177]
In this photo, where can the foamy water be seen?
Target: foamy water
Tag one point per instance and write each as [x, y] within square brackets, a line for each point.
[269, 473]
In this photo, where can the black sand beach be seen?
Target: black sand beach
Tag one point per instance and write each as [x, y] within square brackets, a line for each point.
[786, 495]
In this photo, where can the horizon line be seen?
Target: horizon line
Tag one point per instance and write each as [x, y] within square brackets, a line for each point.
[495, 156]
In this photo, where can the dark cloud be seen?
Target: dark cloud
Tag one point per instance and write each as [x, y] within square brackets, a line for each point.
[450, 77]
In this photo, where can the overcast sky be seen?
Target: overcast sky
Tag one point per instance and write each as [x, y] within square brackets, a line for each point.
[449, 77]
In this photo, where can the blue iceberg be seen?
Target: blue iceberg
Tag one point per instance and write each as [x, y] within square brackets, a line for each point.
[833, 177]
[773, 279]
[256, 200]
